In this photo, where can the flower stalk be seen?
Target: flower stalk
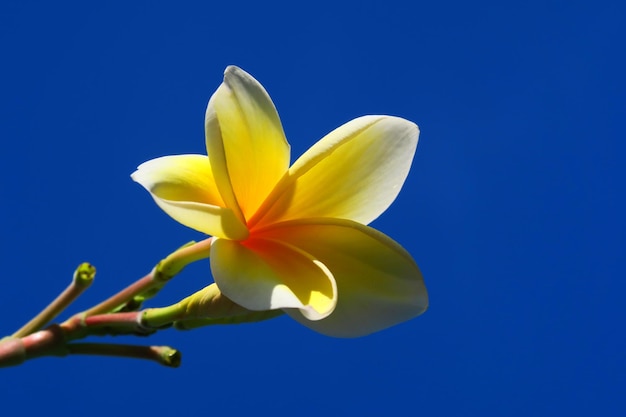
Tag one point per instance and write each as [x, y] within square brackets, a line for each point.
[112, 316]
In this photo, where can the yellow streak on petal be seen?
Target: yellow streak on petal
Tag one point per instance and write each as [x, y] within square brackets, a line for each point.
[245, 141]
[205, 218]
[265, 275]
[180, 178]
[354, 172]
[183, 186]
[378, 283]
[217, 156]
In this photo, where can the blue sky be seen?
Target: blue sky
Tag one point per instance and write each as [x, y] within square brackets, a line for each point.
[513, 207]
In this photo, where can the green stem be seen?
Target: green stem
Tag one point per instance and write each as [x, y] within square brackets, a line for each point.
[179, 259]
[123, 296]
[163, 355]
[206, 307]
[209, 302]
[251, 317]
[150, 284]
[83, 277]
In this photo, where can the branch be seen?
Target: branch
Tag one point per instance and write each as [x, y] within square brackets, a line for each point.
[83, 277]
[163, 355]
[152, 283]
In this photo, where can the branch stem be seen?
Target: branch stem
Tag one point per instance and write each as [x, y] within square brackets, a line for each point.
[150, 284]
[83, 277]
[163, 355]
[123, 296]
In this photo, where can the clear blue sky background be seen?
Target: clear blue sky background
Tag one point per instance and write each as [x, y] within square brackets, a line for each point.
[514, 207]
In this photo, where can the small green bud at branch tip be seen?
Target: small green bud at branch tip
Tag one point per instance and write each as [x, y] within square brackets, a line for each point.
[169, 356]
[84, 274]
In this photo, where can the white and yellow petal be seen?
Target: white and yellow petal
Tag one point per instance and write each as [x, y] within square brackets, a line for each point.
[245, 142]
[355, 172]
[378, 283]
[184, 187]
[262, 274]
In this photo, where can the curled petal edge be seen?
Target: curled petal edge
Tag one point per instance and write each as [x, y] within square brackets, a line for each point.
[269, 275]
[379, 285]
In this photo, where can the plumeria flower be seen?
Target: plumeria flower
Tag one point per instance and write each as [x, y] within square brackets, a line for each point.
[295, 237]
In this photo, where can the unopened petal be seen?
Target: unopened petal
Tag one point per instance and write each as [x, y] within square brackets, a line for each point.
[245, 141]
[378, 283]
[261, 274]
[354, 172]
[183, 186]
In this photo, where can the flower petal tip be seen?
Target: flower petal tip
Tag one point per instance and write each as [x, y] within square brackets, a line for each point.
[233, 69]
